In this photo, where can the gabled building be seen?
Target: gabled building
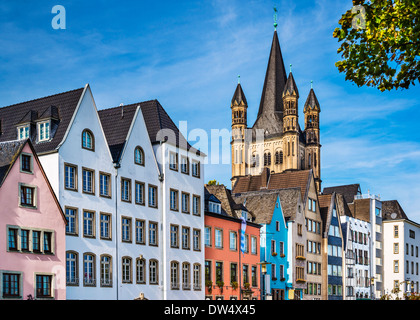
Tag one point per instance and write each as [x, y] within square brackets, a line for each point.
[305, 234]
[32, 227]
[401, 250]
[267, 209]
[232, 248]
[114, 173]
[333, 283]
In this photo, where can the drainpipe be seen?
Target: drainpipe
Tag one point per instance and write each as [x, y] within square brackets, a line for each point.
[164, 226]
[116, 167]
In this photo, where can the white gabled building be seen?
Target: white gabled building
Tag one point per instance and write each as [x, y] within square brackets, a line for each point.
[107, 169]
[401, 250]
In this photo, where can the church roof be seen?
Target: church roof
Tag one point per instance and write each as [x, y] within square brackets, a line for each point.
[239, 96]
[291, 86]
[348, 191]
[312, 101]
[270, 113]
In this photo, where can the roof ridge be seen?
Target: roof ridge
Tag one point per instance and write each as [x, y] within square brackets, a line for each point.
[127, 105]
[50, 96]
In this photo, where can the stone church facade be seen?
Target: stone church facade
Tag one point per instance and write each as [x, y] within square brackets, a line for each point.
[276, 140]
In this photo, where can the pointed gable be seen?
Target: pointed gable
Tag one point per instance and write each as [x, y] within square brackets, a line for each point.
[291, 87]
[312, 102]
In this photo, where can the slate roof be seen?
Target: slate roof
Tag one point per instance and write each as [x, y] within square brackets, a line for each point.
[59, 106]
[261, 205]
[270, 112]
[9, 151]
[312, 101]
[348, 191]
[229, 206]
[239, 95]
[271, 181]
[117, 121]
[392, 206]
[291, 86]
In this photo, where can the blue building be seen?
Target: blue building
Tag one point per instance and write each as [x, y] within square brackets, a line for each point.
[266, 207]
[333, 239]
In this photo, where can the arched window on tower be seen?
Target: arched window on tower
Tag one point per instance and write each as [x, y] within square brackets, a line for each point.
[288, 148]
[309, 161]
[281, 157]
[293, 148]
[267, 159]
[315, 160]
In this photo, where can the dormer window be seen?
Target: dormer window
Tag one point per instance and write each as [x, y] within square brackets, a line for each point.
[88, 141]
[44, 131]
[139, 156]
[23, 132]
[214, 207]
[245, 215]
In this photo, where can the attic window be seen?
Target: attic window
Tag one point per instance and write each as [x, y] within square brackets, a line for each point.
[88, 141]
[23, 132]
[44, 131]
[214, 207]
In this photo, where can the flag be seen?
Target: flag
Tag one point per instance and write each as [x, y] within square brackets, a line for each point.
[243, 227]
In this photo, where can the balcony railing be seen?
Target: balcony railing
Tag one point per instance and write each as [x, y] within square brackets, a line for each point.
[89, 281]
[72, 281]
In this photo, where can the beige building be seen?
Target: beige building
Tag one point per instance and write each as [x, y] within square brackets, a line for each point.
[276, 140]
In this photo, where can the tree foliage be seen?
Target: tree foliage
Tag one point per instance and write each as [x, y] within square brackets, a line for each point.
[380, 43]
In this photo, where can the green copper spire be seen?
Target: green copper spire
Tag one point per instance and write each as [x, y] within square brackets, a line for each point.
[290, 67]
[275, 18]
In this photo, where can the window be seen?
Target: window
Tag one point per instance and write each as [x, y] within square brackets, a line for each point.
[174, 200]
[71, 269]
[232, 240]
[195, 169]
[13, 239]
[125, 190]
[70, 177]
[139, 156]
[106, 274]
[139, 193]
[196, 240]
[253, 245]
[152, 196]
[126, 270]
[105, 226]
[23, 132]
[24, 240]
[173, 161]
[88, 180]
[140, 231]
[186, 277]
[207, 270]
[47, 242]
[233, 272]
[88, 224]
[207, 236]
[218, 238]
[89, 278]
[219, 271]
[185, 165]
[185, 202]
[196, 205]
[44, 131]
[27, 195]
[197, 276]
[36, 241]
[88, 141]
[396, 266]
[174, 275]
[153, 234]
[245, 277]
[141, 271]
[396, 248]
[254, 276]
[26, 163]
[412, 234]
[104, 184]
[185, 238]
[299, 229]
[273, 272]
[174, 236]
[395, 231]
[153, 271]
[126, 229]
[43, 286]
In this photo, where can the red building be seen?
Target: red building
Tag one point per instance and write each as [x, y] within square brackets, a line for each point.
[231, 272]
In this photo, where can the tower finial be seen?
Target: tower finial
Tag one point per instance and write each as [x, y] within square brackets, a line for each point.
[239, 79]
[290, 67]
[312, 81]
[275, 18]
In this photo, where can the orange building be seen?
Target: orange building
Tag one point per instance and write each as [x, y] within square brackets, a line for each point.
[232, 272]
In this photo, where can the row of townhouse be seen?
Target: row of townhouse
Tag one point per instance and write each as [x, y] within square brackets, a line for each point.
[113, 172]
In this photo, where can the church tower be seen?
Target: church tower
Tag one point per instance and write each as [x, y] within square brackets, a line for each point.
[290, 124]
[313, 147]
[239, 107]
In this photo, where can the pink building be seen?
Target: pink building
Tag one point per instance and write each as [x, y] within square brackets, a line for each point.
[32, 228]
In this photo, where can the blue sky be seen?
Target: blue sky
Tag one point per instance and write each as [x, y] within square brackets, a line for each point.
[187, 54]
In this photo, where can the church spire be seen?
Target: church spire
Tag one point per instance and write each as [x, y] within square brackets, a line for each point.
[275, 80]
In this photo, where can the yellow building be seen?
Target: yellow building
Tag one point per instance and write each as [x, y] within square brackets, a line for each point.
[276, 140]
